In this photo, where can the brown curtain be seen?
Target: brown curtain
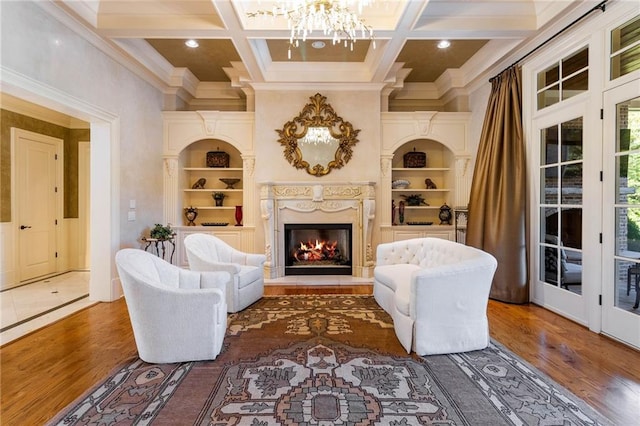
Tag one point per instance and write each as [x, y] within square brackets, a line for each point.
[497, 204]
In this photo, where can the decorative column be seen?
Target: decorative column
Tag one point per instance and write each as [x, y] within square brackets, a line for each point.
[463, 181]
[171, 214]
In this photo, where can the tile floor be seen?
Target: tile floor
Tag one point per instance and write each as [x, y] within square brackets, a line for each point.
[31, 306]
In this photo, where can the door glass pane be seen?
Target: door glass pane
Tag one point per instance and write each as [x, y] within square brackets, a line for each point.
[549, 224]
[575, 85]
[549, 271]
[571, 226]
[548, 76]
[561, 174]
[575, 62]
[549, 96]
[572, 184]
[625, 57]
[549, 185]
[572, 140]
[627, 208]
[549, 145]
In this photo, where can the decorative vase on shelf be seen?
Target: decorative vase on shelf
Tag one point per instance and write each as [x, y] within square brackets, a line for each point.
[445, 215]
[218, 197]
[191, 213]
[238, 215]
[393, 212]
[401, 212]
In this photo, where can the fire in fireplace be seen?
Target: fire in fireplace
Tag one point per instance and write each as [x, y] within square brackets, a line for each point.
[318, 249]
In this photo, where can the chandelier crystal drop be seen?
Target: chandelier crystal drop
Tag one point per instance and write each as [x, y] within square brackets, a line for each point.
[332, 17]
[318, 135]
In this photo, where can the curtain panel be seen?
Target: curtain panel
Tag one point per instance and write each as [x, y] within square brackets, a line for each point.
[497, 204]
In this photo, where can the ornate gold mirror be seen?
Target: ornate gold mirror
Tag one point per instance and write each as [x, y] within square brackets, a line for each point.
[318, 140]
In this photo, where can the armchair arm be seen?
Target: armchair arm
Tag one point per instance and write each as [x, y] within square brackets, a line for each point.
[451, 300]
[254, 259]
[207, 265]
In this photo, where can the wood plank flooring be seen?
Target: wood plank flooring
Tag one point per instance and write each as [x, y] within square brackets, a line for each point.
[48, 369]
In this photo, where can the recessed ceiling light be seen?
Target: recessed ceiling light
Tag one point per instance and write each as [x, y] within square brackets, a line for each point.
[318, 44]
[191, 43]
[443, 44]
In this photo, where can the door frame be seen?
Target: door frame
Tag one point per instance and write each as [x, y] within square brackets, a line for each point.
[84, 202]
[58, 144]
[104, 284]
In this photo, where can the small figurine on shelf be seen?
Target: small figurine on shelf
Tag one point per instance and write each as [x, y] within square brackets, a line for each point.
[191, 213]
[199, 184]
[401, 212]
[430, 184]
[218, 197]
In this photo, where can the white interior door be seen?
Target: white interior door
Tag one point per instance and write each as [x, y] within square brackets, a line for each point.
[38, 200]
[621, 214]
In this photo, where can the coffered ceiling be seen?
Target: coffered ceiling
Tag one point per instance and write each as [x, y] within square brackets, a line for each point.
[237, 53]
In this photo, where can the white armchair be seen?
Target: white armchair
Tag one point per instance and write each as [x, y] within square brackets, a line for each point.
[177, 315]
[436, 292]
[206, 252]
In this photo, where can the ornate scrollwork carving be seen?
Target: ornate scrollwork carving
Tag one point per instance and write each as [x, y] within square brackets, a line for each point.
[320, 134]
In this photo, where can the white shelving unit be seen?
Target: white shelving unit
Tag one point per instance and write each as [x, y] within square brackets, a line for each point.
[193, 162]
[438, 169]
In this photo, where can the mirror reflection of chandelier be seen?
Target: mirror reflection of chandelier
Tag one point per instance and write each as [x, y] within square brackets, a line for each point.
[316, 135]
[332, 17]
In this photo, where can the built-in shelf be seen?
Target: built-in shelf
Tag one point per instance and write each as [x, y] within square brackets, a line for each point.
[193, 162]
[439, 162]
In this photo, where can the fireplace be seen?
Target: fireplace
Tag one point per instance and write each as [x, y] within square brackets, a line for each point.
[318, 249]
[332, 205]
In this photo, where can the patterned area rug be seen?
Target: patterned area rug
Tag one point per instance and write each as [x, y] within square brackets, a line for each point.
[328, 360]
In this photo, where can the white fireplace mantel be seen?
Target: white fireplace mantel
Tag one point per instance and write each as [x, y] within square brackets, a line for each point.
[288, 202]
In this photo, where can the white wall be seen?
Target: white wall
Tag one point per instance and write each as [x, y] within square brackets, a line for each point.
[74, 77]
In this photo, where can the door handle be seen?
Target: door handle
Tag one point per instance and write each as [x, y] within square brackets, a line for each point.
[24, 227]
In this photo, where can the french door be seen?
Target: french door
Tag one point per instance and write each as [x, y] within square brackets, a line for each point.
[561, 280]
[621, 213]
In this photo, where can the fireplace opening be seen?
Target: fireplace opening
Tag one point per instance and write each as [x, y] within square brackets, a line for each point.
[317, 249]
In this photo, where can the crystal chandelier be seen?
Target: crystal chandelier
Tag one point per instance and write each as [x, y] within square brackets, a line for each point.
[332, 17]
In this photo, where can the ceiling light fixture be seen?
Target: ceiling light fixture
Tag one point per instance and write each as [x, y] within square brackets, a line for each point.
[191, 43]
[443, 44]
[332, 17]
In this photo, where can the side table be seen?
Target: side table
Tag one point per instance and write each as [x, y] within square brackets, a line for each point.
[160, 246]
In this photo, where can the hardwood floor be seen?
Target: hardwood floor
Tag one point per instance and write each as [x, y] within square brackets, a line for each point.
[48, 369]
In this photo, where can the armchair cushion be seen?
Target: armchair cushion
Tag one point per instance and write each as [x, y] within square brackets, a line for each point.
[177, 315]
